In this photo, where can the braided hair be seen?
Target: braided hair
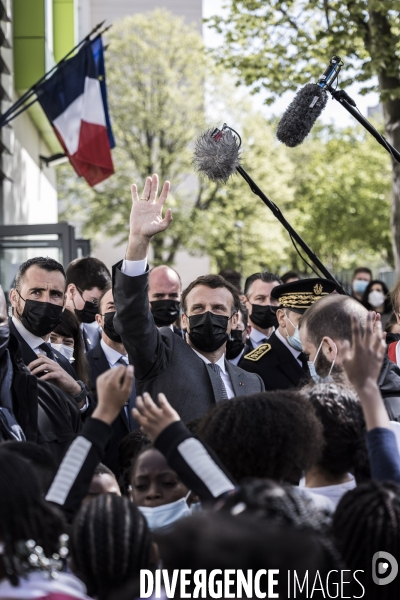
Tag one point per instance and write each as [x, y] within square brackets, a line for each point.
[340, 412]
[366, 521]
[24, 514]
[110, 542]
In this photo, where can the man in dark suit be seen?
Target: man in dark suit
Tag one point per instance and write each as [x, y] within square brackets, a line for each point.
[165, 292]
[87, 278]
[281, 362]
[261, 306]
[108, 354]
[192, 373]
[239, 343]
[38, 300]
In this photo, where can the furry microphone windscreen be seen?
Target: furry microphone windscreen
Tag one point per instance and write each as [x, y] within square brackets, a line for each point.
[301, 114]
[216, 156]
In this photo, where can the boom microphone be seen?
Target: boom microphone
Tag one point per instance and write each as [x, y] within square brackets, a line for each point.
[216, 153]
[309, 102]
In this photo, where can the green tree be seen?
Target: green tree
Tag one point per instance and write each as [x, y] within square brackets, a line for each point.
[343, 208]
[156, 70]
[277, 45]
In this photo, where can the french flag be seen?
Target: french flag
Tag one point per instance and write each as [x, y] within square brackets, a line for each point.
[75, 102]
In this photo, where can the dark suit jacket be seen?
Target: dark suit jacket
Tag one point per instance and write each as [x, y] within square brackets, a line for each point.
[46, 414]
[28, 355]
[278, 368]
[91, 335]
[163, 361]
[98, 364]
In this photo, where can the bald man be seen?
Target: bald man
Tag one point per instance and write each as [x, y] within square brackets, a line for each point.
[165, 290]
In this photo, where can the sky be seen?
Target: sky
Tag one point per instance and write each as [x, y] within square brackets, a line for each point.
[333, 113]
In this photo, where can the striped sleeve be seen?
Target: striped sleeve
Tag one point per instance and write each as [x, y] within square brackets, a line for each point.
[75, 473]
[197, 466]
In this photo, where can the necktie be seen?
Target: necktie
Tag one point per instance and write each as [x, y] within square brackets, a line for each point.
[47, 349]
[130, 403]
[304, 361]
[217, 369]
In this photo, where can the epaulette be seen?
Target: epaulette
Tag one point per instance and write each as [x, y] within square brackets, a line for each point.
[258, 353]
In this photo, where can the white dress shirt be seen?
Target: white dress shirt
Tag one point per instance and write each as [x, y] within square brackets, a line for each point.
[296, 353]
[34, 342]
[134, 268]
[112, 355]
[257, 338]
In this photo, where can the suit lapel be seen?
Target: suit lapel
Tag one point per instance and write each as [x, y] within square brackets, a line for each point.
[236, 376]
[100, 361]
[28, 355]
[290, 367]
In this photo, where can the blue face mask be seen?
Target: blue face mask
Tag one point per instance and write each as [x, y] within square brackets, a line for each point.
[294, 340]
[313, 372]
[359, 286]
[162, 517]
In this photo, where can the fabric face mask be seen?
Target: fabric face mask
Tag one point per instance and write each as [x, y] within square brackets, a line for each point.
[234, 345]
[392, 337]
[359, 286]
[109, 329]
[207, 331]
[4, 338]
[264, 316]
[66, 351]
[376, 298]
[165, 312]
[294, 340]
[161, 517]
[40, 318]
[311, 367]
[88, 313]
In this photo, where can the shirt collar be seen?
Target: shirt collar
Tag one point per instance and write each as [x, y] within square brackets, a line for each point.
[257, 336]
[296, 353]
[33, 341]
[220, 362]
[112, 355]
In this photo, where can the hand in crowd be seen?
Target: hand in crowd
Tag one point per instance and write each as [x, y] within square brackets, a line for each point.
[154, 419]
[54, 373]
[363, 363]
[113, 389]
[146, 218]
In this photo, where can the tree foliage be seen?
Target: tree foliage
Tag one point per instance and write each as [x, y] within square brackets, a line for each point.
[277, 45]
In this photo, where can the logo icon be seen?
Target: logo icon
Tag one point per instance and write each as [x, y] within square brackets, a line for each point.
[318, 289]
[385, 564]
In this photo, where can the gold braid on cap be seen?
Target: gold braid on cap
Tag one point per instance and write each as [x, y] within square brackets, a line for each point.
[300, 300]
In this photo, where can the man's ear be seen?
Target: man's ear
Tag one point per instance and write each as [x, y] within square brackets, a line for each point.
[13, 296]
[99, 320]
[71, 290]
[185, 322]
[330, 348]
[248, 331]
[280, 315]
[235, 319]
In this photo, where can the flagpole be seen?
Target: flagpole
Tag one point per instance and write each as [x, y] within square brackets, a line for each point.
[9, 115]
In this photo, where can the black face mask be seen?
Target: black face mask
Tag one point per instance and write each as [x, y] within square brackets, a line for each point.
[88, 313]
[234, 345]
[40, 318]
[165, 312]
[264, 316]
[208, 331]
[109, 328]
[4, 338]
[392, 337]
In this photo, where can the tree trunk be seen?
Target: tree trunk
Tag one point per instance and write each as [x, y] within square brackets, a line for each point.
[391, 109]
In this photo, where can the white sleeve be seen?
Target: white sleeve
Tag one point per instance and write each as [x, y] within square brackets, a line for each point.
[134, 268]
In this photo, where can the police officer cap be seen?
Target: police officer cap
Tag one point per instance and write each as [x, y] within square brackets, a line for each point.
[300, 295]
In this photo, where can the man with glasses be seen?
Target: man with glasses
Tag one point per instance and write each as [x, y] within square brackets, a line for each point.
[87, 278]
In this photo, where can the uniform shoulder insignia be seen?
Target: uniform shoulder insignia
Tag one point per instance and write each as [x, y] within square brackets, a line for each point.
[258, 353]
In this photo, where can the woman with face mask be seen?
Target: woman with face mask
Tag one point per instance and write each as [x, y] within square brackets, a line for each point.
[376, 298]
[157, 490]
[66, 338]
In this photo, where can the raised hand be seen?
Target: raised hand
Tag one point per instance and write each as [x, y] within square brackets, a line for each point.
[154, 419]
[113, 389]
[146, 218]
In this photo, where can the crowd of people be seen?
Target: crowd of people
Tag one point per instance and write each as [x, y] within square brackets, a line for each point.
[147, 427]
